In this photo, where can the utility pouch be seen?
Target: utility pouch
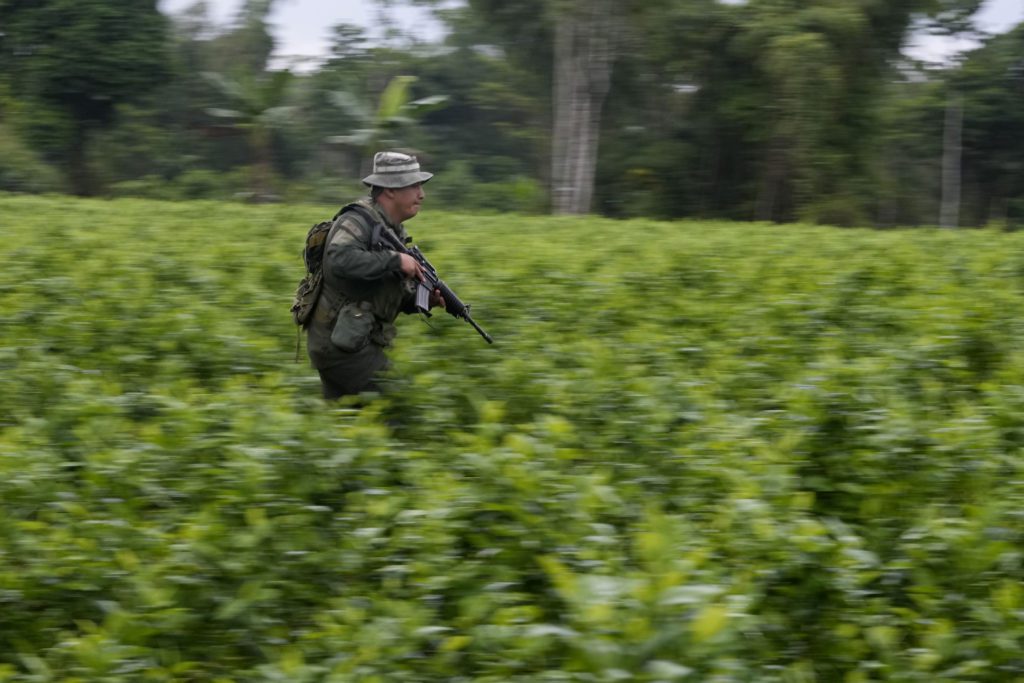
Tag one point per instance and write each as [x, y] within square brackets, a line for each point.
[353, 328]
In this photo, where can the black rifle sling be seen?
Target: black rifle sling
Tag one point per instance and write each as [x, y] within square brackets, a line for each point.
[377, 225]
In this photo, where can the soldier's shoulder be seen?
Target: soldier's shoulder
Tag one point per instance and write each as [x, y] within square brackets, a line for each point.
[362, 212]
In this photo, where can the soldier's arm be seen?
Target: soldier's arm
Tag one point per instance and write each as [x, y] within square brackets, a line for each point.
[349, 254]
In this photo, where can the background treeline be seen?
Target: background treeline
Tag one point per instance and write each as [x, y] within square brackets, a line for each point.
[776, 110]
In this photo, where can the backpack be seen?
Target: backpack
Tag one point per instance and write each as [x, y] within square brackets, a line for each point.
[319, 236]
[308, 292]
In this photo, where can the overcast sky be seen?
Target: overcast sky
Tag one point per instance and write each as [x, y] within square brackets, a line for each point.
[302, 27]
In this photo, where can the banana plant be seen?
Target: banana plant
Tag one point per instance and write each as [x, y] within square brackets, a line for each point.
[258, 108]
[378, 128]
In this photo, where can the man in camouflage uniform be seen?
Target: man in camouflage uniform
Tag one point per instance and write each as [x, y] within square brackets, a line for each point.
[365, 287]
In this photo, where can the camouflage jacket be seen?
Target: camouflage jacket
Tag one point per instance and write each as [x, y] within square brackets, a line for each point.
[363, 285]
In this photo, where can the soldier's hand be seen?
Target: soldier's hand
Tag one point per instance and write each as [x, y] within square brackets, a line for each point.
[436, 300]
[411, 268]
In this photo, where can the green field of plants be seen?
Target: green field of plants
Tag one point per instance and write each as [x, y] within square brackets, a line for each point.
[702, 452]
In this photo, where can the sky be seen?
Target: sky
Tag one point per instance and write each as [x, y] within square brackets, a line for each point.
[996, 16]
[302, 27]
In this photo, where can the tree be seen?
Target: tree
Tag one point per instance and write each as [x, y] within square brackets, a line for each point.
[21, 170]
[380, 127]
[258, 106]
[822, 70]
[949, 215]
[991, 83]
[786, 94]
[956, 134]
[583, 39]
[76, 61]
[247, 46]
[911, 115]
[587, 40]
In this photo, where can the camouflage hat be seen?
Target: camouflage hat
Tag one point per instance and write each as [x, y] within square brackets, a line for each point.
[394, 169]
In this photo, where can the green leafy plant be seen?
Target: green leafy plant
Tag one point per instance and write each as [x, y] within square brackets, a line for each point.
[697, 452]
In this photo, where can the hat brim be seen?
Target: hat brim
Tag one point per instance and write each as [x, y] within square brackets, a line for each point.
[397, 180]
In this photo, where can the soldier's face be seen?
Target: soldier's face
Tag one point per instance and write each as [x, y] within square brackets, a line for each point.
[406, 201]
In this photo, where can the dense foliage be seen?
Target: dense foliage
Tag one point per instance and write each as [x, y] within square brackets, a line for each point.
[768, 109]
[697, 452]
[73, 62]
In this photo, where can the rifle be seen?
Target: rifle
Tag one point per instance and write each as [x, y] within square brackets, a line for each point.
[452, 304]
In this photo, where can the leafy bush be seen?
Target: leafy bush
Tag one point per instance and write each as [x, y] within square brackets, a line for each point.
[1015, 214]
[190, 184]
[696, 452]
[21, 170]
[458, 189]
[148, 187]
[844, 210]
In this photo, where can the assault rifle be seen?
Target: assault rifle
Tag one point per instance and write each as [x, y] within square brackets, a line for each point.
[452, 304]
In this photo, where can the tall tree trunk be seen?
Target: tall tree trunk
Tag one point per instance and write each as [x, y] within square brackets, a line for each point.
[949, 214]
[78, 174]
[586, 39]
[766, 205]
[262, 166]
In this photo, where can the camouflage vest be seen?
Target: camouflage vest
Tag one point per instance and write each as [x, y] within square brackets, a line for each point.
[307, 294]
[359, 224]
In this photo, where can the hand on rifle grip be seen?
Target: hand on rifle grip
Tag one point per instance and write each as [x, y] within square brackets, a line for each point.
[411, 268]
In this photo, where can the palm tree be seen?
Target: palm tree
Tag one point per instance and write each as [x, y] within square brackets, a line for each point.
[258, 108]
[381, 128]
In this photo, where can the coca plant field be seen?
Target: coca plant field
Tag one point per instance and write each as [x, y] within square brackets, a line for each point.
[699, 452]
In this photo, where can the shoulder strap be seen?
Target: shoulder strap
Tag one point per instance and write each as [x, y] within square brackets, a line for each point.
[358, 208]
[330, 234]
[375, 224]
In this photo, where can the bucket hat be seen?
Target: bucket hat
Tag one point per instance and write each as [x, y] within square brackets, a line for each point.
[394, 170]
